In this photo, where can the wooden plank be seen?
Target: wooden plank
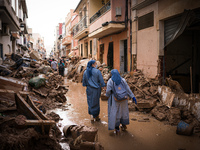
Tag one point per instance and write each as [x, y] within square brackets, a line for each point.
[37, 111]
[9, 83]
[24, 108]
[8, 109]
[40, 122]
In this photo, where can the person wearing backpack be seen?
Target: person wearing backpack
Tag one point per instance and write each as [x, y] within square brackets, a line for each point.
[118, 92]
[93, 80]
[61, 68]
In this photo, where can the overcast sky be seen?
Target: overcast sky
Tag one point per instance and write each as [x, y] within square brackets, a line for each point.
[44, 16]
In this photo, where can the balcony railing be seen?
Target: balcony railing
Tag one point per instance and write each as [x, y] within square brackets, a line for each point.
[101, 11]
[80, 26]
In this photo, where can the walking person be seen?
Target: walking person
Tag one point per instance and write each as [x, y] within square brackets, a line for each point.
[61, 68]
[93, 80]
[54, 65]
[118, 92]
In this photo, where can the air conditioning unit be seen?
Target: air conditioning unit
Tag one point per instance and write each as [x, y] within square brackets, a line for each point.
[5, 30]
[118, 11]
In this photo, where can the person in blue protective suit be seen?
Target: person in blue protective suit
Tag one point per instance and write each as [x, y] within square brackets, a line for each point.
[93, 80]
[118, 112]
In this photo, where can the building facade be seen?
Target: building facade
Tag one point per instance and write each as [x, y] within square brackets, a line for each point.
[103, 32]
[13, 14]
[38, 44]
[165, 40]
[67, 41]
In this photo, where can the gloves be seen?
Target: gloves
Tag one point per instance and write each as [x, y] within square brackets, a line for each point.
[134, 100]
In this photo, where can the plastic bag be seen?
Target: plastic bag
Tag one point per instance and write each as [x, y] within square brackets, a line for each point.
[37, 82]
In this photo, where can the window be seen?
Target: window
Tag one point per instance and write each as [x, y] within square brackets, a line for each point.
[72, 44]
[1, 51]
[80, 15]
[17, 8]
[81, 49]
[13, 4]
[146, 21]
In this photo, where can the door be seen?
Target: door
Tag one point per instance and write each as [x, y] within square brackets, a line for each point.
[110, 55]
[123, 56]
[101, 53]
[86, 50]
[91, 47]
[81, 50]
[1, 51]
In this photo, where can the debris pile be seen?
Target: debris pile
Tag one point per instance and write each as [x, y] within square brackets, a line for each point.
[82, 137]
[144, 89]
[28, 88]
[75, 71]
[173, 115]
[150, 95]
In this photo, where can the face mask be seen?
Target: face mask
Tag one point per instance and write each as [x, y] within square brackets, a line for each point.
[96, 66]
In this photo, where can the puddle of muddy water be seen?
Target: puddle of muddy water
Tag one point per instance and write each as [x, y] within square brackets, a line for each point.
[152, 135]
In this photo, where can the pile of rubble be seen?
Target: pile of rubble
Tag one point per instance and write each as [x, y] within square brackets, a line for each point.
[82, 137]
[144, 89]
[76, 70]
[29, 87]
[164, 102]
[44, 84]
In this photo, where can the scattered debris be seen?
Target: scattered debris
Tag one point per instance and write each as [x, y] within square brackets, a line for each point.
[82, 137]
[53, 116]
[23, 103]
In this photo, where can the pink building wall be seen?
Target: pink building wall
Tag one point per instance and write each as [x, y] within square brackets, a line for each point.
[147, 44]
[118, 3]
[110, 15]
[98, 23]
[60, 28]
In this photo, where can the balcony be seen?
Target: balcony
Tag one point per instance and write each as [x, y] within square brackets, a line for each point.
[107, 20]
[81, 29]
[8, 16]
[67, 40]
[15, 35]
[101, 11]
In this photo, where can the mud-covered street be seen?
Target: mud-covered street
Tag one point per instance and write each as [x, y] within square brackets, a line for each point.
[149, 135]
[99, 75]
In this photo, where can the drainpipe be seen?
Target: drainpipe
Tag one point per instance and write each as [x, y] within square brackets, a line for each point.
[126, 14]
[134, 30]
[131, 68]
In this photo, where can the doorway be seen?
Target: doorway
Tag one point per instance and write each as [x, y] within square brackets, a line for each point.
[182, 49]
[110, 56]
[123, 56]
[81, 50]
[86, 50]
[182, 60]
[1, 51]
[91, 47]
[101, 53]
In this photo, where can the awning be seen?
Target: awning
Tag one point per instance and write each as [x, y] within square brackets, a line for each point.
[186, 19]
[15, 35]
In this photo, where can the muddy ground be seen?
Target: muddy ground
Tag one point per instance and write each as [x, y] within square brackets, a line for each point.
[145, 132]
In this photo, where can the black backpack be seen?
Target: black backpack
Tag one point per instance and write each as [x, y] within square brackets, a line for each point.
[61, 66]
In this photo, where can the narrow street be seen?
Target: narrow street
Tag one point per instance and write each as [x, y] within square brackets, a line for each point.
[144, 54]
[152, 135]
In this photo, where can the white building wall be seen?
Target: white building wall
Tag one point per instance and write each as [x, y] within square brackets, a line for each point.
[7, 44]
